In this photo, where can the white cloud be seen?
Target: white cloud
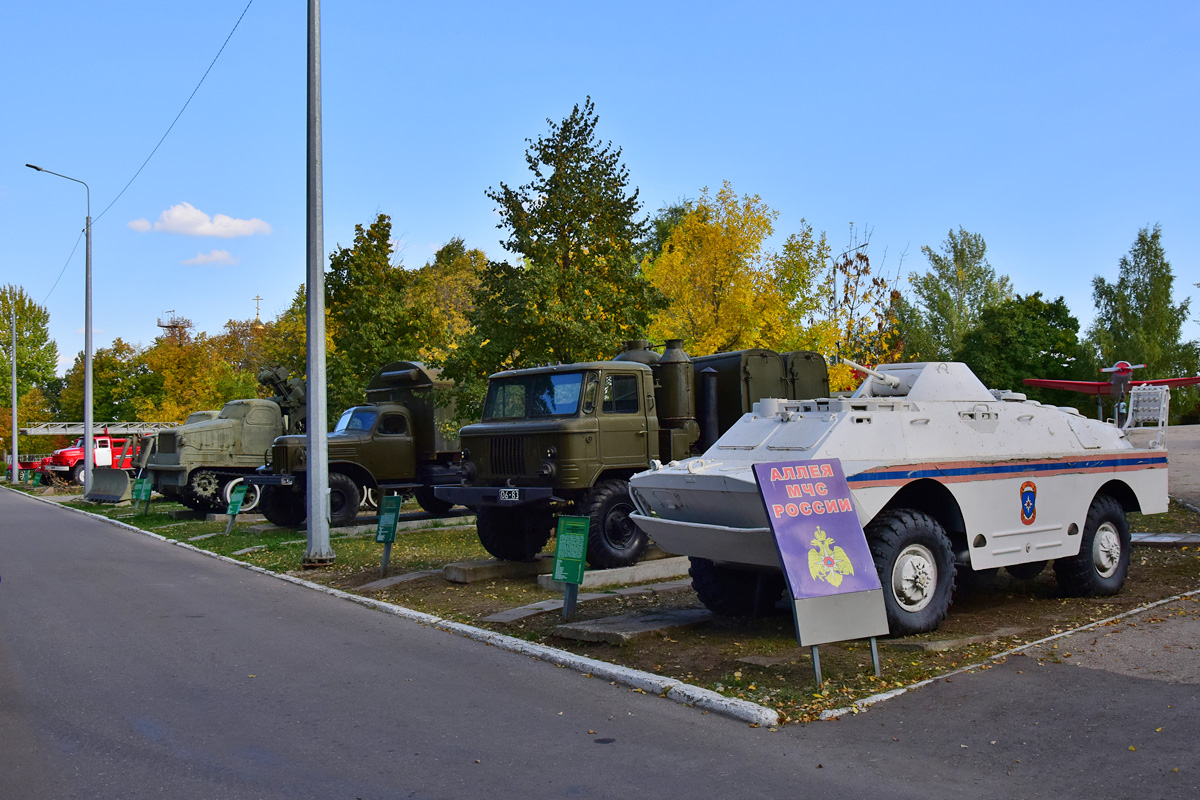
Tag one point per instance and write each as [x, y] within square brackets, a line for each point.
[213, 257]
[188, 220]
[139, 225]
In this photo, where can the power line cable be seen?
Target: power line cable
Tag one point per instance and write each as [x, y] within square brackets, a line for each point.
[180, 114]
[78, 239]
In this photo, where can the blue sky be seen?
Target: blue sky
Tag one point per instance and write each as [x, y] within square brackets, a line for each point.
[1054, 130]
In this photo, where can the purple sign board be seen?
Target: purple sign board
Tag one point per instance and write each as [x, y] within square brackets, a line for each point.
[828, 565]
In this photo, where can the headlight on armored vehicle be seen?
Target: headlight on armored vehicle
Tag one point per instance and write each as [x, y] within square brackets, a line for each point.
[469, 472]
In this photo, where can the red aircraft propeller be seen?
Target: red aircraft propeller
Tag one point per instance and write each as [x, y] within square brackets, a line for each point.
[1122, 377]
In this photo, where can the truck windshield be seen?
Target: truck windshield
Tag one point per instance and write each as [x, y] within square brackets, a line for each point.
[356, 419]
[234, 411]
[533, 396]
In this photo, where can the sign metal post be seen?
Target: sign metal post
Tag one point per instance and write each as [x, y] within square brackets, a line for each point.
[835, 591]
[570, 559]
[385, 533]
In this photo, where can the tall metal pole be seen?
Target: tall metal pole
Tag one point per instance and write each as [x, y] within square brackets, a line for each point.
[319, 551]
[15, 459]
[88, 422]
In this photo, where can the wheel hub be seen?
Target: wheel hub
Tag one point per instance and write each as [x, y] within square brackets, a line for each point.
[204, 484]
[914, 577]
[619, 529]
[1106, 550]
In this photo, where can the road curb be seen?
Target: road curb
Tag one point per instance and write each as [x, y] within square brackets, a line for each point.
[637, 680]
[858, 706]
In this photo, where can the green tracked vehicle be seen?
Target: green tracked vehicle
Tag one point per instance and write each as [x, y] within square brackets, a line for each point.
[200, 462]
[566, 438]
[394, 444]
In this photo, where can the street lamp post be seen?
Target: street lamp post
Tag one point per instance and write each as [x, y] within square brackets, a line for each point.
[16, 466]
[88, 443]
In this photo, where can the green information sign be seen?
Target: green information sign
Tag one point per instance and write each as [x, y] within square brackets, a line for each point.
[570, 550]
[235, 499]
[141, 490]
[389, 514]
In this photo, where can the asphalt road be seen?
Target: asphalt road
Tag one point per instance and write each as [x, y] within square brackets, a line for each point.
[132, 668]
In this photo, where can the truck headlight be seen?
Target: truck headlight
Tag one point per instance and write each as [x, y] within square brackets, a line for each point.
[549, 469]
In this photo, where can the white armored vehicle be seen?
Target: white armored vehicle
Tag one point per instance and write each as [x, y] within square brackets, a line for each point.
[946, 476]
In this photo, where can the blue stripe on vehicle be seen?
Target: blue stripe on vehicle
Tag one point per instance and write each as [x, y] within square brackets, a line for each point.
[1008, 469]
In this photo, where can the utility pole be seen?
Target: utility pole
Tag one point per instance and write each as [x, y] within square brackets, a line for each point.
[319, 552]
[16, 461]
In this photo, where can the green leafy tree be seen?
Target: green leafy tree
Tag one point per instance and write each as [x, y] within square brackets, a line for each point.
[1138, 321]
[1027, 337]
[1136, 317]
[959, 285]
[442, 298]
[37, 353]
[121, 379]
[368, 318]
[576, 291]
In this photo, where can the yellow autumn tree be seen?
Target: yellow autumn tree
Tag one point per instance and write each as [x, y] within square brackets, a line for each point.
[717, 276]
[442, 297]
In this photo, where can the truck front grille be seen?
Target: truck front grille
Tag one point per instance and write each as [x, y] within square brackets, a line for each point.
[167, 442]
[508, 455]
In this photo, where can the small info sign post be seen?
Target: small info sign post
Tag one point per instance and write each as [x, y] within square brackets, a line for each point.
[141, 491]
[385, 532]
[570, 555]
[235, 505]
[836, 594]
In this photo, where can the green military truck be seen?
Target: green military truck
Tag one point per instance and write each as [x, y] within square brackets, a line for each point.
[394, 444]
[567, 438]
[200, 462]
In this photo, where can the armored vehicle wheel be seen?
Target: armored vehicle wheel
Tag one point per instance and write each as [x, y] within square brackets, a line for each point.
[282, 506]
[430, 502]
[249, 500]
[343, 499]
[735, 592]
[1027, 571]
[513, 534]
[77, 474]
[614, 540]
[206, 487]
[915, 563]
[1103, 560]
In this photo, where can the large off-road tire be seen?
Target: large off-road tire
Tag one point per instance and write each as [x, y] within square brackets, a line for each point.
[1102, 563]
[735, 592]
[514, 534]
[249, 500]
[915, 563]
[614, 540]
[282, 506]
[1027, 571]
[343, 499]
[432, 504]
[77, 473]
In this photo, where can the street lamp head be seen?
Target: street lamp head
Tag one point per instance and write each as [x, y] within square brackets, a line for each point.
[31, 166]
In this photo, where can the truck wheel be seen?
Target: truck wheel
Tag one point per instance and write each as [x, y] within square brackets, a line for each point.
[513, 534]
[1027, 571]
[77, 474]
[1103, 560]
[282, 507]
[249, 501]
[427, 500]
[913, 557]
[205, 487]
[735, 592]
[343, 499]
[614, 540]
